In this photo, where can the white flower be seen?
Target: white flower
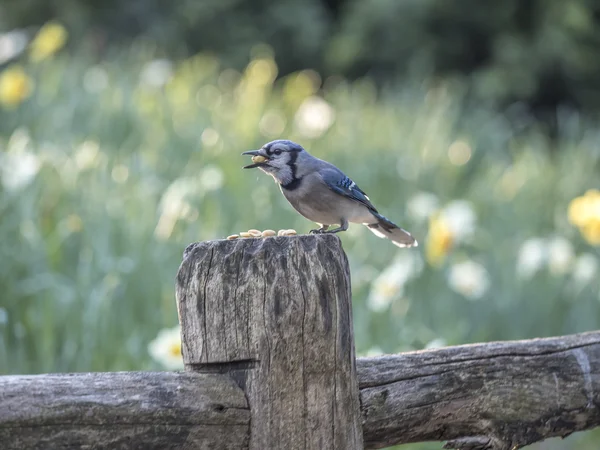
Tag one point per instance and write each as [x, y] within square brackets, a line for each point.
[422, 205]
[166, 348]
[557, 252]
[436, 343]
[460, 219]
[87, 155]
[18, 166]
[532, 257]
[374, 351]
[12, 44]
[390, 283]
[585, 268]
[19, 169]
[384, 290]
[469, 279]
[156, 73]
[174, 204]
[560, 255]
[314, 117]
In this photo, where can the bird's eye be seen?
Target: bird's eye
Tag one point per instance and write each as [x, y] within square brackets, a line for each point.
[277, 152]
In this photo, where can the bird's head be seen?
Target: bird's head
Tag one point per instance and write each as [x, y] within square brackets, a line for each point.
[278, 159]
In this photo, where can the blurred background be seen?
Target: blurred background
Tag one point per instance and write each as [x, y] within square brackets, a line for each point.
[471, 123]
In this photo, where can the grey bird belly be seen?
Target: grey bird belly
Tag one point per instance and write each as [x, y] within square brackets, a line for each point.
[323, 206]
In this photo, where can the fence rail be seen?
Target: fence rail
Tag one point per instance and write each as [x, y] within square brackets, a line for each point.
[269, 355]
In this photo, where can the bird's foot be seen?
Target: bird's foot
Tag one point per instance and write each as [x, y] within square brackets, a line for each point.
[319, 230]
[342, 227]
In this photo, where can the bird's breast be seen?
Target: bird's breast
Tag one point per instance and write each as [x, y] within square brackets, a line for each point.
[318, 203]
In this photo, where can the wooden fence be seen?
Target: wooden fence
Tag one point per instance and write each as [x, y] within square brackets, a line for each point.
[269, 356]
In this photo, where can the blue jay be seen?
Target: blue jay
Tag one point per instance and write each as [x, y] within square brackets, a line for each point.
[321, 192]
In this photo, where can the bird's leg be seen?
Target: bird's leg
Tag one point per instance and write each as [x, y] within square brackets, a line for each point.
[323, 229]
[343, 227]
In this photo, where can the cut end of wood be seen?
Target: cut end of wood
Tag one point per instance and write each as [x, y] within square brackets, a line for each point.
[307, 240]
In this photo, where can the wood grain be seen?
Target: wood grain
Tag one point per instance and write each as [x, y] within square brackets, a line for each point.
[275, 314]
[129, 410]
[494, 396]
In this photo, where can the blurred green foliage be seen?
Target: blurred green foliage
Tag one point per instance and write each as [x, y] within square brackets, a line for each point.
[541, 54]
[109, 169]
[113, 159]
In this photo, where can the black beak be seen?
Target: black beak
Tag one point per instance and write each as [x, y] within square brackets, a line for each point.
[253, 153]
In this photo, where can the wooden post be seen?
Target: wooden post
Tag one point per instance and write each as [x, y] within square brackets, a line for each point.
[275, 314]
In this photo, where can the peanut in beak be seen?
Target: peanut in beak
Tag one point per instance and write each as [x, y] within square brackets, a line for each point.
[258, 159]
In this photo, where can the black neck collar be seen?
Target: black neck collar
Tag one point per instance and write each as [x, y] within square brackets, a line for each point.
[292, 185]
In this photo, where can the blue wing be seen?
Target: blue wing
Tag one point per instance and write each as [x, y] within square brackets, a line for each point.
[341, 184]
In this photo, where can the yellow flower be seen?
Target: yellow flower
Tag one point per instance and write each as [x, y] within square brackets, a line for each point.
[439, 240]
[15, 86]
[175, 349]
[50, 39]
[591, 231]
[584, 212]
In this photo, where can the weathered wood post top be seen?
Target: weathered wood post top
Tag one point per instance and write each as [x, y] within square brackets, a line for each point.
[275, 314]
